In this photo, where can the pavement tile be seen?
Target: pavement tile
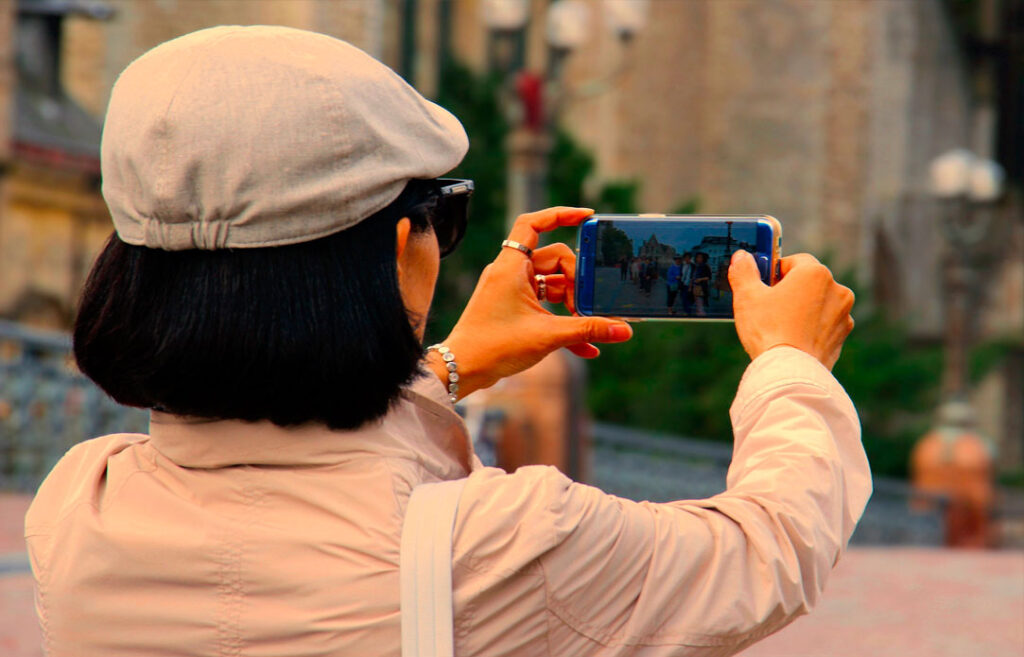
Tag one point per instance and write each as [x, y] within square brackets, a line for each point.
[19, 630]
[912, 602]
[13, 507]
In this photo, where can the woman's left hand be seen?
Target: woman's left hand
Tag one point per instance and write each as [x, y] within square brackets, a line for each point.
[504, 328]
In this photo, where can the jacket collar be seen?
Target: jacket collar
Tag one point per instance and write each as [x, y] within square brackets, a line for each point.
[422, 426]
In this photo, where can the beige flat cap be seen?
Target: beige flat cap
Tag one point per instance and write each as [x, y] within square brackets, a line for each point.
[242, 137]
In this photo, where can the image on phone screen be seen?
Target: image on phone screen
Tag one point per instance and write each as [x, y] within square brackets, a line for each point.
[667, 269]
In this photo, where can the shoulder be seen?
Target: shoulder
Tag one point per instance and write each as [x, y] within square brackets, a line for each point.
[83, 475]
[505, 521]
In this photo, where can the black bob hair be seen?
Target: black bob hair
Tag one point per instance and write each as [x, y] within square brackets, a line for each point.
[310, 332]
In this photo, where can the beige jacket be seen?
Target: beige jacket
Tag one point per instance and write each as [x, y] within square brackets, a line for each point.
[226, 538]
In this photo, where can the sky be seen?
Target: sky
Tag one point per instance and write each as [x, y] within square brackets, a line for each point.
[682, 236]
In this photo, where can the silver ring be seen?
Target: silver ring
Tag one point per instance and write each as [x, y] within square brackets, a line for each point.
[542, 286]
[512, 244]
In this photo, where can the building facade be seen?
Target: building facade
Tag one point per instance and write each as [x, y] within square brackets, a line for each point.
[823, 114]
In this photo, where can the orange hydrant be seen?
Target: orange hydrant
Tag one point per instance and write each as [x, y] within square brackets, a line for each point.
[954, 461]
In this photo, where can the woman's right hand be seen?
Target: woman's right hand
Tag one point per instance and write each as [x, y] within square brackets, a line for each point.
[504, 328]
[807, 309]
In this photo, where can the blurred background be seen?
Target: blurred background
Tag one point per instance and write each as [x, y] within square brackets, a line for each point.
[886, 135]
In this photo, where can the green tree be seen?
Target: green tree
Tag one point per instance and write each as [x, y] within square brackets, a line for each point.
[474, 99]
[615, 245]
[893, 382]
[673, 377]
[681, 378]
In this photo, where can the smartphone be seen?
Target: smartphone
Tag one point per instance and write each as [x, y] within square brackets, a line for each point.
[669, 267]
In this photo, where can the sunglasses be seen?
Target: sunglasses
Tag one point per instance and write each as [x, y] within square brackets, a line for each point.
[451, 213]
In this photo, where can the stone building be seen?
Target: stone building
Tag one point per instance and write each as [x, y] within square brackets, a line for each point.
[823, 114]
[827, 116]
[662, 253]
[719, 250]
[51, 216]
[58, 62]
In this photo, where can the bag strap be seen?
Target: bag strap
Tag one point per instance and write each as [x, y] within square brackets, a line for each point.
[426, 569]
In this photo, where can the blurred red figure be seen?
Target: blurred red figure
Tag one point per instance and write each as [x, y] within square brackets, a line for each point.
[530, 89]
[954, 461]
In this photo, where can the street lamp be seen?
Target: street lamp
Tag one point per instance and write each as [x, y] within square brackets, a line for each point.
[966, 186]
[549, 393]
[952, 459]
[506, 15]
[568, 26]
[533, 101]
[626, 17]
[506, 21]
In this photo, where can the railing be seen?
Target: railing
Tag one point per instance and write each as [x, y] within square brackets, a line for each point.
[643, 465]
[46, 406]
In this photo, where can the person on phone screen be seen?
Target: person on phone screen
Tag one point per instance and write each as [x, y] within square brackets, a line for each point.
[280, 218]
[686, 283]
[651, 274]
[701, 282]
[673, 280]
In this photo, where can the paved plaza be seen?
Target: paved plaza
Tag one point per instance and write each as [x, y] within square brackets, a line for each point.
[880, 602]
[624, 296]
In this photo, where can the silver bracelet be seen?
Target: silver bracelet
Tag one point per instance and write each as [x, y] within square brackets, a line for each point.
[449, 362]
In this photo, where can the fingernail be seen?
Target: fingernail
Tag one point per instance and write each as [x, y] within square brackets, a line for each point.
[620, 332]
[739, 254]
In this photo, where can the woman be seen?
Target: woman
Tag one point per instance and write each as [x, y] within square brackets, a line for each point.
[673, 279]
[701, 282]
[279, 230]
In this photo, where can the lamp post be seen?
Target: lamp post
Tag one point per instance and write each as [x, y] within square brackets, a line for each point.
[533, 101]
[506, 20]
[953, 459]
[542, 408]
[966, 187]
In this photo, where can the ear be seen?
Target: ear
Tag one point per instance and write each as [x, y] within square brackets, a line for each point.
[402, 229]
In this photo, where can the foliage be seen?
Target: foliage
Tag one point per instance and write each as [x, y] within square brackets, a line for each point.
[618, 196]
[1012, 478]
[681, 378]
[894, 383]
[569, 166]
[615, 245]
[689, 206]
[474, 99]
[676, 378]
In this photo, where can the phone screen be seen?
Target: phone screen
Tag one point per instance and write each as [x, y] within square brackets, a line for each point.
[666, 268]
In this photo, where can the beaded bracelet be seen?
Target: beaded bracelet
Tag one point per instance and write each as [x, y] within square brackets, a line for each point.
[453, 376]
